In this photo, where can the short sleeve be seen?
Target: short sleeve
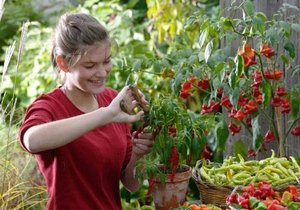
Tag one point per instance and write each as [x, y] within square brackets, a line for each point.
[39, 112]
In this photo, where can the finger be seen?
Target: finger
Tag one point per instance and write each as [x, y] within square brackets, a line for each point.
[145, 142]
[136, 117]
[142, 148]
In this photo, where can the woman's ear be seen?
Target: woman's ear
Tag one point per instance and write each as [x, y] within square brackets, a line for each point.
[62, 63]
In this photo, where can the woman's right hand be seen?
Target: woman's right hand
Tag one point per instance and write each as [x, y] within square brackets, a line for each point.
[126, 99]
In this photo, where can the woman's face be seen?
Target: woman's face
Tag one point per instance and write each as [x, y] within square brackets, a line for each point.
[89, 74]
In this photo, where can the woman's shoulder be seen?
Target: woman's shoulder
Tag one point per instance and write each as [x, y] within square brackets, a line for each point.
[48, 98]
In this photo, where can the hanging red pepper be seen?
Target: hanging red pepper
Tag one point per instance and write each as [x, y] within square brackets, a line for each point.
[173, 161]
[296, 131]
[266, 50]
[270, 136]
[151, 185]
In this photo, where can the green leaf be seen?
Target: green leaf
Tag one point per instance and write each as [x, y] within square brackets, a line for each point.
[296, 27]
[266, 93]
[157, 67]
[253, 202]
[227, 24]
[257, 137]
[219, 67]
[285, 59]
[289, 46]
[294, 206]
[249, 7]
[136, 65]
[196, 148]
[222, 134]
[295, 104]
[240, 148]
[208, 50]
[203, 37]
[239, 62]
[258, 25]
[232, 79]
[286, 27]
[262, 16]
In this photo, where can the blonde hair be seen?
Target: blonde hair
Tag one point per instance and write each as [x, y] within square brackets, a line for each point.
[74, 34]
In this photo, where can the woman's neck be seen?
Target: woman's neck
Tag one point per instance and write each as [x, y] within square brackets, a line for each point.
[83, 101]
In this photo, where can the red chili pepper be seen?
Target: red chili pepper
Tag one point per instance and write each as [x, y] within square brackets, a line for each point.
[192, 79]
[151, 185]
[184, 94]
[206, 153]
[244, 202]
[280, 91]
[285, 105]
[174, 161]
[270, 136]
[203, 84]
[232, 112]
[220, 91]
[293, 189]
[242, 100]
[266, 50]
[172, 131]
[273, 74]
[226, 102]
[276, 101]
[251, 153]
[234, 128]
[296, 131]
[275, 206]
[239, 115]
[250, 107]
[232, 198]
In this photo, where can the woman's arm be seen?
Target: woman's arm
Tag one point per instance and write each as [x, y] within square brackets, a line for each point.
[61, 132]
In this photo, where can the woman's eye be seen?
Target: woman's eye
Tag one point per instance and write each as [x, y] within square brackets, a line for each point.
[107, 61]
[89, 66]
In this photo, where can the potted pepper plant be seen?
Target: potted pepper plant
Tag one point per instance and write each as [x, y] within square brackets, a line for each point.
[178, 144]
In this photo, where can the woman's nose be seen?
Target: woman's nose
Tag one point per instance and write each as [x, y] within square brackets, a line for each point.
[101, 71]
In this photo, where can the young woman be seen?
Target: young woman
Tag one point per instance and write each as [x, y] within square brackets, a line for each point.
[78, 132]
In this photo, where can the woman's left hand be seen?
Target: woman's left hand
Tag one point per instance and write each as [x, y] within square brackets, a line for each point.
[142, 143]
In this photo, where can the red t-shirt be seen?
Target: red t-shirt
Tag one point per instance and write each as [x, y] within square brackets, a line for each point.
[85, 173]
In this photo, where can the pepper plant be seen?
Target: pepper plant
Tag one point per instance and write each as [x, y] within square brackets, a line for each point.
[179, 137]
[247, 87]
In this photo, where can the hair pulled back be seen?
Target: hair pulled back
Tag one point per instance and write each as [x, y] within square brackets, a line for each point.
[73, 34]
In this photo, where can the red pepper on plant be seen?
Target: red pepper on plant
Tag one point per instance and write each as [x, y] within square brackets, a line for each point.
[239, 115]
[226, 102]
[203, 84]
[151, 185]
[269, 136]
[273, 74]
[266, 50]
[280, 91]
[247, 52]
[173, 161]
[276, 101]
[251, 153]
[206, 153]
[296, 131]
[234, 128]
[285, 106]
[250, 107]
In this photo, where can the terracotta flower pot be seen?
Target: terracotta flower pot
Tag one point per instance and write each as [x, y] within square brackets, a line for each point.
[169, 194]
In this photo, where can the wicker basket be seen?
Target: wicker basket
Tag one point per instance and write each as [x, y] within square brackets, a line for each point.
[210, 193]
